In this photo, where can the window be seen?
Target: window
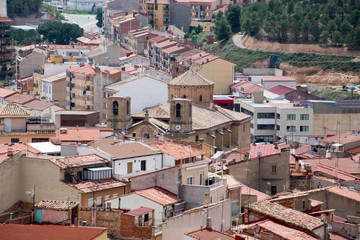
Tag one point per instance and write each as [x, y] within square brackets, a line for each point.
[291, 117]
[273, 190]
[134, 134]
[304, 128]
[234, 209]
[303, 204]
[265, 127]
[108, 205]
[266, 115]
[184, 96]
[200, 98]
[143, 165]
[115, 108]
[127, 107]
[140, 221]
[290, 128]
[278, 115]
[190, 179]
[178, 110]
[304, 116]
[196, 138]
[14, 140]
[264, 139]
[146, 217]
[90, 202]
[98, 201]
[278, 127]
[273, 169]
[201, 178]
[146, 135]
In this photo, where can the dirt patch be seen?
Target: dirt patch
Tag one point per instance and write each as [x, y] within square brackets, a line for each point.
[314, 74]
[253, 43]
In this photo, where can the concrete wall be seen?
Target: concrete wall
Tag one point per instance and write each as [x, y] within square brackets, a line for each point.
[180, 16]
[3, 7]
[107, 218]
[348, 230]
[325, 124]
[54, 216]
[263, 72]
[21, 174]
[221, 73]
[165, 178]
[30, 63]
[246, 172]
[175, 228]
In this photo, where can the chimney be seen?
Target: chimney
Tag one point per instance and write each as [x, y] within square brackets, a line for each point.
[258, 96]
[208, 222]
[56, 102]
[146, 116]
[276, 146]
[297, 165]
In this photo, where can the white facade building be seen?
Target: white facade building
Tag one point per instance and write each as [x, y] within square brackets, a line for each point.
[144, 92]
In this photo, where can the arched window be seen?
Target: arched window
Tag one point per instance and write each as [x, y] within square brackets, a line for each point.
[115, 108]
[178, 110]
[127, 107]
[184, 96]
[200, 98]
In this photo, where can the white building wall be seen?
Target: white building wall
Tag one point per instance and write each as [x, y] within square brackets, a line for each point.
[46, 91]
[153, 162]
[3, 8]
[144, 92]
[134, 201]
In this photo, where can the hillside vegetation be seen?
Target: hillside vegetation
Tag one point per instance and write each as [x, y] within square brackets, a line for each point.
[22, 7]
[327, 22]
[245, 57]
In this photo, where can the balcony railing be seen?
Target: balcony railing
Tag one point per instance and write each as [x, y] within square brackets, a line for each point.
[41, 128]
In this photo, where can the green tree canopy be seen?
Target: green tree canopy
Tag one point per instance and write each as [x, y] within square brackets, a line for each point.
[99, 18]
[60, 33]
[222, 27]
[233, 16]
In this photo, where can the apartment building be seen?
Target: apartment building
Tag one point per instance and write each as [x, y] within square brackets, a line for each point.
[84, 86]
[5, 53]
[203, 9]
[158, 12]
[274, 120]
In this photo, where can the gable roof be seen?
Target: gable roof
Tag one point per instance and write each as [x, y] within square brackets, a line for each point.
[45, 232]
[139, 211]
[190, 78]
[85, 69]
[209, 234]
[159, 195]
[120, 150]
[281, 89]
[78, 161]
[56, 205]
[283, 214]
[344, 192]
[19, 98]
[13, 110]
[176, 150]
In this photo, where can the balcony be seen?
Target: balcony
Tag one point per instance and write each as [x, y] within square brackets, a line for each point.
[45, 128]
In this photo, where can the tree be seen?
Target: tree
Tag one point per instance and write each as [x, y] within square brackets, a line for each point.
[315, 31]
[305, 28]
[61, 33]
[233, 16]
[324, 37]
[99, 18]
[222, 27]
[345, 27]
[337, 38]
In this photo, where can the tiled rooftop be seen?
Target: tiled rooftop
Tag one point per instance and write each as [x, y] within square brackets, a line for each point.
[4, 18]
[81, 134]
[345, 138]
[209, 234]
[344, 164]
[46, 232]
[97, 185]
[287, 215]
[159, 195]
[281, 89]
[190, 78]
[341, 175]
[13, 110]
[56, 205]
[280, 230]
[283, 78]
[139, 211]
[19, 98]
[119, 150]
[6, 92]
[79, 161]
[344, 192]
[86, 69]
[176, 150]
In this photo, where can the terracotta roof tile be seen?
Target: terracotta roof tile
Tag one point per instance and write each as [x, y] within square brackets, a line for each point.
[120, 150]
[344, 192]
[86, 69]
[176, 150]
[6, 92]
[281, 89]
[280, 230]
[159, 195]
[79, 161]
[263, 150]
[287, 215]
[56, 205]
[331, 172]
[315, 203]
[4, 18]
[80, 134]
[46, 232]
[345, 138]
[13, 110]
[19, 98]
[139, 211]
[335, 236]
[97, 185]
[191, 78]
[209, 234]
[345, 164]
